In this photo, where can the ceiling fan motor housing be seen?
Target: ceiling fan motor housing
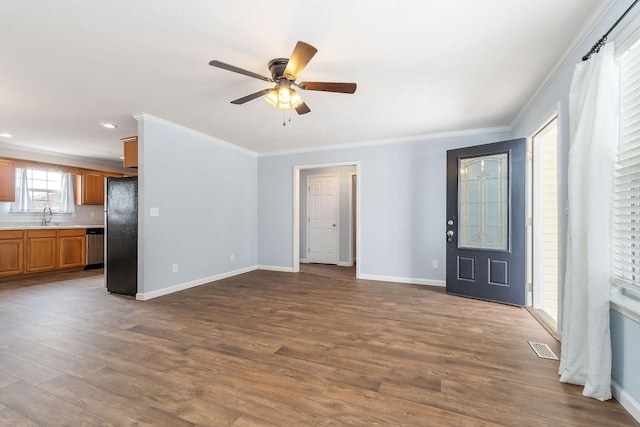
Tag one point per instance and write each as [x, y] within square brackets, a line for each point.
[277, 67]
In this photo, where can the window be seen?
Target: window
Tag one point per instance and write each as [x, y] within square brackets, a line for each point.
[626, 226]
[37, 189]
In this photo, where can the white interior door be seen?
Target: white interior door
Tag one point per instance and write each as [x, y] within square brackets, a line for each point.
[323, 217]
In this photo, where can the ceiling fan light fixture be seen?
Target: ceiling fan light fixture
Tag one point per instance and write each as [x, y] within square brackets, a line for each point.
[284, 95]
[272, 98]
[296, 99]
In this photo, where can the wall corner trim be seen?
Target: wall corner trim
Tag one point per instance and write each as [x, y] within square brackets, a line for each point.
[626, 400]
[144, 296]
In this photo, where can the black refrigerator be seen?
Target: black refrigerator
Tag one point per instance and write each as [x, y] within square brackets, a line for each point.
[121, 235]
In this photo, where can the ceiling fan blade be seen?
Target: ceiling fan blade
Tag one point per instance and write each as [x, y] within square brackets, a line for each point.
[248, 98]
[303, 109]
[300, 57]
[329, 87]
[238, 70]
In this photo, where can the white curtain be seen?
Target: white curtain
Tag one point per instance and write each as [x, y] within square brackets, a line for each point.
[67, 203]
[23, 201]
[593, 112]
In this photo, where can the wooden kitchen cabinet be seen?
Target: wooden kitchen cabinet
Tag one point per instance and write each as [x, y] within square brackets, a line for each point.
[130, 151]
[72, 248]
[11, 252]
[42, 250]
[7, 181]
[92, 188]
[89, 188]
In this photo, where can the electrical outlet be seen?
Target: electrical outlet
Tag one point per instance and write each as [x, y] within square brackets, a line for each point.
[232, 257]
[174, 268]
[155, 212]
[434, 263]
[93, 214]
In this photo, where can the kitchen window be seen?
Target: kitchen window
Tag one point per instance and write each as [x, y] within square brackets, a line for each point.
[37, 189]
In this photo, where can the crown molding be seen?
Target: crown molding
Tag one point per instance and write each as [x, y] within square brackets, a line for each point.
[571, 52]
[391, 141]
[46, 156]
[141, 117]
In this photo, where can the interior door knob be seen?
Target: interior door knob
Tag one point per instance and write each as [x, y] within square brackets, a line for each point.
[449, 236]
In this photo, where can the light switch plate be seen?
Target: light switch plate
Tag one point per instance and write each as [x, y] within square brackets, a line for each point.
[155, 212]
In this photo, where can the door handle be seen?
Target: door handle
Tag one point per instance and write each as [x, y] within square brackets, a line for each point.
[449, 236]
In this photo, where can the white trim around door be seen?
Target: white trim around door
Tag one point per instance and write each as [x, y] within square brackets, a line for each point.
[296, 210]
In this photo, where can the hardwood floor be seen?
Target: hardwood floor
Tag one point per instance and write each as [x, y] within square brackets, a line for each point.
[317, 348]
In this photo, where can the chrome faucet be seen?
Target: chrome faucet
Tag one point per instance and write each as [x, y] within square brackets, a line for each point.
[44, 216]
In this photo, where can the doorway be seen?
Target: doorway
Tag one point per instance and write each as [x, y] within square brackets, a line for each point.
[545, 222]
[348, 248]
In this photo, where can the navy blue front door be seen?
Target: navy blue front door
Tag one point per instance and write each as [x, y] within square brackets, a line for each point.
[486, 229]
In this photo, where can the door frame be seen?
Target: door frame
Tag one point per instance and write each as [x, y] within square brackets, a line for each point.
[296, 209]
[534, 248]
[353, 222]
[337, 219]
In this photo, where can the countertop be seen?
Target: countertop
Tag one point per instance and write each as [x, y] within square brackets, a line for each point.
[38, 226]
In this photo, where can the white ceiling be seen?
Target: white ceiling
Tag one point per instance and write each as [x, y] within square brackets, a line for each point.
[422, 67]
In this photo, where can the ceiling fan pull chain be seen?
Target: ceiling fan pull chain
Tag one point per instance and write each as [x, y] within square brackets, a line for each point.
[284, 121]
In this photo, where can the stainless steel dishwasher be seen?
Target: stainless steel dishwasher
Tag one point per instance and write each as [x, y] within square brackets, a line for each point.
[95, 248]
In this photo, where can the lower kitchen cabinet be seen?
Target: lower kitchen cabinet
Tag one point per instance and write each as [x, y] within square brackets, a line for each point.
[42, 250]
[72, 248]
[11, 252]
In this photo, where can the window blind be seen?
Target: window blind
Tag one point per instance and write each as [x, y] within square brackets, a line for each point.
[626, 226]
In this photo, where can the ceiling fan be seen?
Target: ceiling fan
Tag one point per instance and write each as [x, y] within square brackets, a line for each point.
[284, 73]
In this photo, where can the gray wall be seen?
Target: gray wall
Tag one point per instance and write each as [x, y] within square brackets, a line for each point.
[402, 203]
[206, 193]
[344, 173]
[556, 95]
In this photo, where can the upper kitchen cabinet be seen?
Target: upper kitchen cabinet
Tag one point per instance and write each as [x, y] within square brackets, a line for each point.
[7, 181]
[89, 188]
[130, 151]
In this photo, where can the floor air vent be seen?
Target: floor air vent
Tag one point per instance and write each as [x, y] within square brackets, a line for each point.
[543, 350]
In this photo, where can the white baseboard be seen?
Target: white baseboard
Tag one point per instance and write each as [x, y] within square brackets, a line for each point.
[341, 263]
[144, 296]
[626, 400]
[411, 280]
[276, 268]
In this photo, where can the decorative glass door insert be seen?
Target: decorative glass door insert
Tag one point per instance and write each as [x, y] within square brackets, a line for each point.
[483, 202]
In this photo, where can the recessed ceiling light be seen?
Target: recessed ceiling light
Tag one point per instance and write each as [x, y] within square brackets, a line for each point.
[6, 135]
[108, 125]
